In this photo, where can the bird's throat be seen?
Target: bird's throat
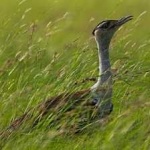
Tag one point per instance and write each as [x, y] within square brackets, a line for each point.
[105, 75]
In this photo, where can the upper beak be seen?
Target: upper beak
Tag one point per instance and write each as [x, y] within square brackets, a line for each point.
[123, 20]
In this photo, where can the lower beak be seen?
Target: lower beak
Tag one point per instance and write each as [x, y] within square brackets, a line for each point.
[124, 20]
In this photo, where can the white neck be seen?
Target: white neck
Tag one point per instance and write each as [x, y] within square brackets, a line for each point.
[105, 75]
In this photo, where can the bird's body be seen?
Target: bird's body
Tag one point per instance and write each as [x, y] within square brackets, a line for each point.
[75, 109]
[68, 112]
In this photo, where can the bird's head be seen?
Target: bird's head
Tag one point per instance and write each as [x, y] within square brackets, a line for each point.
[105, 30]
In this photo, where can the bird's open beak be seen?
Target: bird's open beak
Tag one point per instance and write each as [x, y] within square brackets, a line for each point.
[123, 20]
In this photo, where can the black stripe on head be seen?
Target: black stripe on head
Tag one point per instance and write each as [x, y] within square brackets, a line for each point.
[98, 26]
[104, 25]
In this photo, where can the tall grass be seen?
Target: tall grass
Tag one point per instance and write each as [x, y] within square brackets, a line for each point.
[46, 48]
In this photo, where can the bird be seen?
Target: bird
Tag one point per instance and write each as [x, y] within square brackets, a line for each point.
[81, 107]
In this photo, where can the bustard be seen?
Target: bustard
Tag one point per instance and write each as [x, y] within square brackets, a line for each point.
[88, 104]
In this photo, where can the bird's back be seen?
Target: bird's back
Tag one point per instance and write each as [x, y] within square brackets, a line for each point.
[66, 111]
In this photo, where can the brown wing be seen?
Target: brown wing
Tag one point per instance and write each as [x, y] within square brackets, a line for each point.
[62, 99]
[42, 109]
[69, 100]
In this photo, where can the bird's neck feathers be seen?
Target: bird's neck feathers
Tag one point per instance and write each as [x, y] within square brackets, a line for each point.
[105, 75]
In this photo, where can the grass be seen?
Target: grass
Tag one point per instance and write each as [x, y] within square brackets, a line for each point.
[46, 47]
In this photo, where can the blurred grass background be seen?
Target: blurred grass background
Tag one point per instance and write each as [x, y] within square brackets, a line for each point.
[46, 47]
